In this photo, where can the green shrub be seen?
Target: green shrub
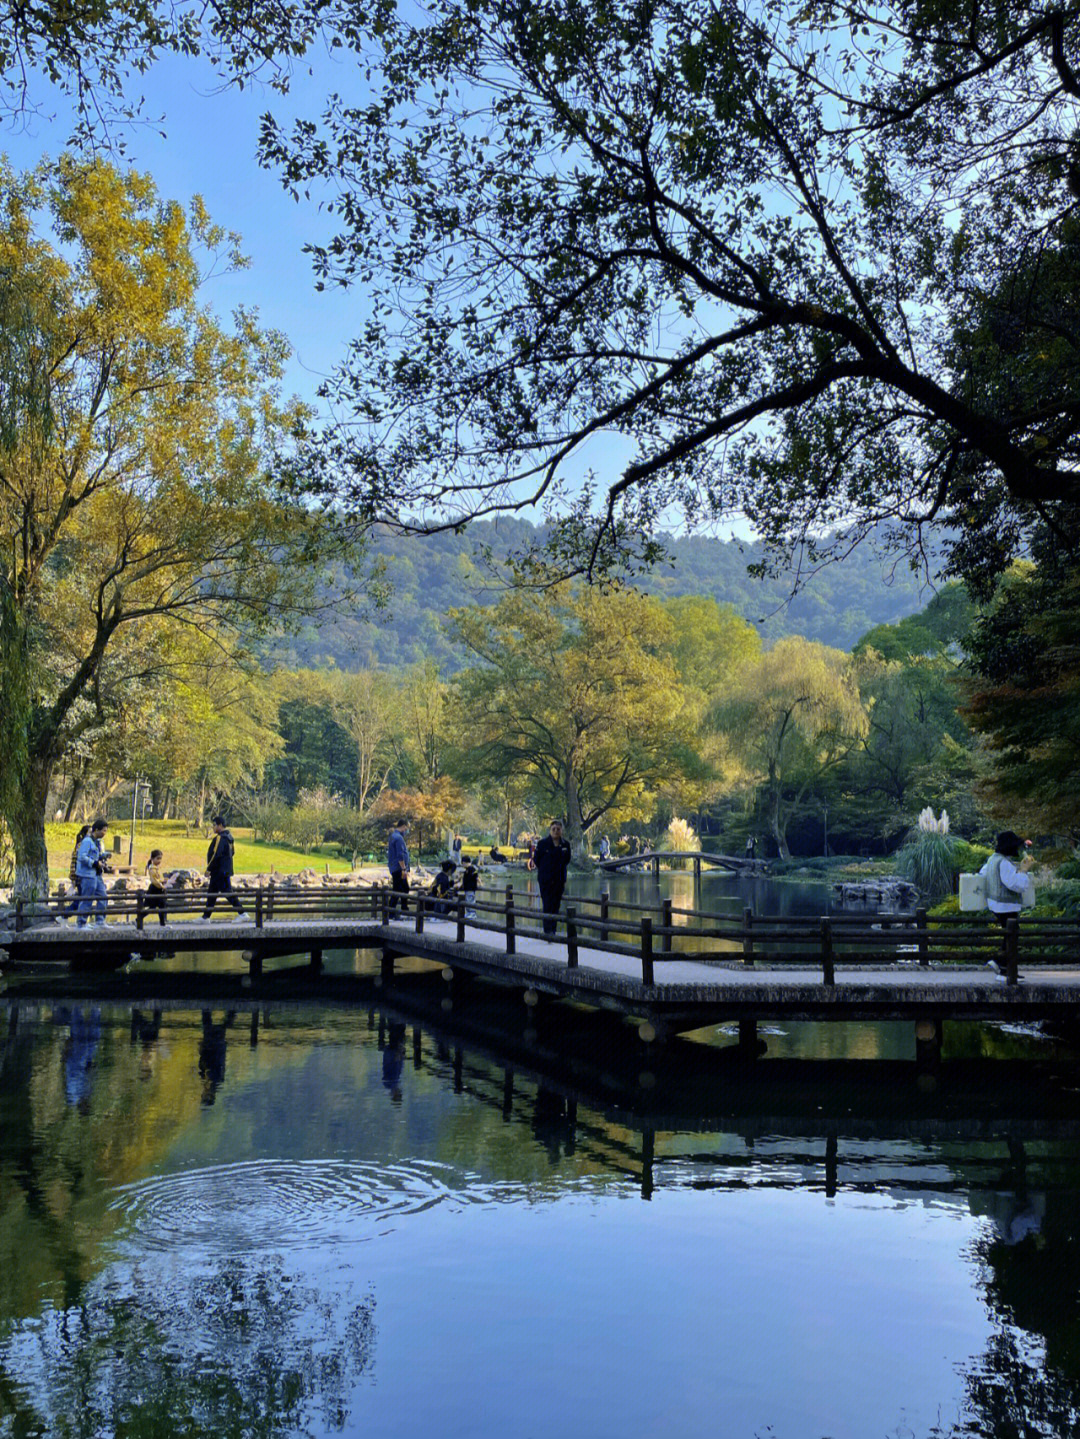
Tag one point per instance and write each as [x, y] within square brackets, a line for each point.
[969, 858]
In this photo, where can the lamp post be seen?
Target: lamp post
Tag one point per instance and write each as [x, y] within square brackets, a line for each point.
[139, 785]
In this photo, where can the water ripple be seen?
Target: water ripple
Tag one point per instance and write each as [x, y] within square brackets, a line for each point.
[279, 1203]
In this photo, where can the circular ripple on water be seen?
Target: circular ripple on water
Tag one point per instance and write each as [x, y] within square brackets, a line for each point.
[279, 1203]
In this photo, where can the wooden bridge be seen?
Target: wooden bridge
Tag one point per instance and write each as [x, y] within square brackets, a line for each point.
[673, 969]
[734, 863]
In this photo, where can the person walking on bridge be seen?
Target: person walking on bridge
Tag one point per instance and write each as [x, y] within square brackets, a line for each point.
[552, 860]
[219, 871]
[397, 862]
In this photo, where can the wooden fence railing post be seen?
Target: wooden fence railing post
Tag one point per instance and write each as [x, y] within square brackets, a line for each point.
[270, 900]
[665, 919]
[385, 905]
[421, 901]
[748, 937]
[511, 937]
[828, 972]
[18, 916]
[461, 920]
[605, 906]
[647, 976]
[259, 908]
[571, 937]
[140, 908]
[923, 942]
[1012, 950]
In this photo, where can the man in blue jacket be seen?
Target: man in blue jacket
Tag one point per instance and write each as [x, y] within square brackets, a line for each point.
[219, 870]
[89, 868]
[397, 862]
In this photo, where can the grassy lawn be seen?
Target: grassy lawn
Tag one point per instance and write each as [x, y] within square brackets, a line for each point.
[189, 851]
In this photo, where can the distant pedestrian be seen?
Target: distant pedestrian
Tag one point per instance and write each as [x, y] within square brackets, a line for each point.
[530, 858]
[155, 890]
[90, 867]
[751, 848]
[219, 871]
[552, 860]
[455, 849]
[605, 848]
[397, 862]
[470, 881]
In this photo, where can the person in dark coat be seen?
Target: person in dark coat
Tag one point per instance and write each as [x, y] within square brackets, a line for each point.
[399, 864]
[552, 860]
[219, 871]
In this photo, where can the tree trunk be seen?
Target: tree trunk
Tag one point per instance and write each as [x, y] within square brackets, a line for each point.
[202, 801]
[26, 820]
[779, 830]
[76, 794]
[509, 820]
[575, 828]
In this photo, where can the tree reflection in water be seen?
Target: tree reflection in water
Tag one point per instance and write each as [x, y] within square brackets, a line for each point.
[242, 1349]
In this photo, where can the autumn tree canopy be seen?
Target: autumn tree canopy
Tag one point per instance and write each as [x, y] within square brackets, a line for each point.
[138, 489]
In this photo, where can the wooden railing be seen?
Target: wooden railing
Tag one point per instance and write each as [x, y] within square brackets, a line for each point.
[646, 933]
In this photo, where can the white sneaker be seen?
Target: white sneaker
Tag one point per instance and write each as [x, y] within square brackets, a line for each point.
[243, 918]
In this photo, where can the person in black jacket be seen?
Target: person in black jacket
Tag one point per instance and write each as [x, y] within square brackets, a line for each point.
[219, 870]
[552, 859]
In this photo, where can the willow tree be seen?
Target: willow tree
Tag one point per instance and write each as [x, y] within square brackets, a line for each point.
[576, 693]
[792, 715]
[136, 488]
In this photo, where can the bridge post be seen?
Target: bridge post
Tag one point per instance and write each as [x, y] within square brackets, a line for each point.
[605, 906]
[420, 899]
[140, 908]
[385, 916]
[831, 1166]
[270, 900]
[665, 913]
[924, 945]
[1012, 950]
[927, 1045]
[254, 1028]
[571, 937]
[461, 921]
[656, 867]
[511, 937]
[386, 965]
[748, 937]
[259, 908]
[316, 961]
[697, 868]
[255, 964]
[828, 972]
[646, 950]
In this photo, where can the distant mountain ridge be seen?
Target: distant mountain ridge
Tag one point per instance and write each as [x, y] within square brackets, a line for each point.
[432, 574]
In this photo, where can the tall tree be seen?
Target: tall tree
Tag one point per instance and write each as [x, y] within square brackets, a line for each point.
[1024, 691]
[793, 715]
[576, 691]
[811, 261]
[135, 484]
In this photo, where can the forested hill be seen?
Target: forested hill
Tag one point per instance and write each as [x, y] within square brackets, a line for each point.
[431, 575]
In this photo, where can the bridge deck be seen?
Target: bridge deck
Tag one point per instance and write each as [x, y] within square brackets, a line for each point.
[687, 992]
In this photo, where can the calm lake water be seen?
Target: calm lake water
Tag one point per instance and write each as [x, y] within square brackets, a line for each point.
[439, 1213]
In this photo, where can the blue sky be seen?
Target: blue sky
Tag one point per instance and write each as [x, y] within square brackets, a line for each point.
[208, 148]
[206, 144]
